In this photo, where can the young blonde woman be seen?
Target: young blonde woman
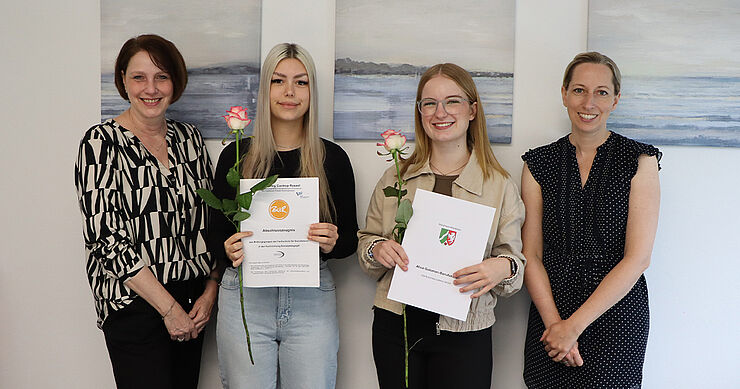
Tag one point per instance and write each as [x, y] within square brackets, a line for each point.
[294, 331]
[452, 157]
[592, 201]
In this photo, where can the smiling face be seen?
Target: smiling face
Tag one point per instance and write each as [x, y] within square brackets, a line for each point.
[149, 88]
[442, 127]
[290, 95]
[590, 97]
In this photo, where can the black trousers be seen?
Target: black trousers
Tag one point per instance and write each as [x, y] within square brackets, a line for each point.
[447, 360]
[141, 351]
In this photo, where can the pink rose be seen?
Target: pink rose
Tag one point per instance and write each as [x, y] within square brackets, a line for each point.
[237, 118]
[389, 132]
[393, 140]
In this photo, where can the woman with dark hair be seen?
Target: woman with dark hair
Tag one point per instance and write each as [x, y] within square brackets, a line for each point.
[592, 201]
[453, 157]
[294, 331]
[144, 225]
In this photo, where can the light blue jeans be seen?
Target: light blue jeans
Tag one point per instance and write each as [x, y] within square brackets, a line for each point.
[294, 334]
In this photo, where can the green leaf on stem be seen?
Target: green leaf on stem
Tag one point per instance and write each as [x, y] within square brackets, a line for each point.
[230, 205]
[233, 176]
[244, 200]
[241, 216]
[210, 198]
[390, 191]
[264, 183]
[404, 212]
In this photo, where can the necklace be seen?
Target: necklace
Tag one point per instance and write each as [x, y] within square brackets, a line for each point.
[161, 143]
[140, 135]
[287, 148]
[448, 173]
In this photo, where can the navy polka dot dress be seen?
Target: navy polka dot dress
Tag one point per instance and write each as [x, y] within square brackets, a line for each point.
[584, 233]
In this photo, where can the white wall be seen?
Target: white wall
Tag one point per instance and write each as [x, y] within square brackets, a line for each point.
[49, 66]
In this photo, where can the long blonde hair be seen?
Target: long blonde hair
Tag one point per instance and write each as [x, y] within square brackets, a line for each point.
[477, 136]
[263, 149]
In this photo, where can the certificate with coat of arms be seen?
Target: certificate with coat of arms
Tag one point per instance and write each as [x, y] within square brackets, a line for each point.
[279, 253]
[444, 235]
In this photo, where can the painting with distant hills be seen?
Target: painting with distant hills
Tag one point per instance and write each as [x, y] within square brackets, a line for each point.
[680, 64]
[383, 47]
[220, 42]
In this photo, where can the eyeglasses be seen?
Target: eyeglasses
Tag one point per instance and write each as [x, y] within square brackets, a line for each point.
[451, 105]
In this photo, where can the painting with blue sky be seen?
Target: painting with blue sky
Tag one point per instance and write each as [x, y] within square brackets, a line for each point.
[220, 42]
[383, 47]
[680, 64]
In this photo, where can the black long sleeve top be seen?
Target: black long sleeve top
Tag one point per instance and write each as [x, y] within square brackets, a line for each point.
[287, 165]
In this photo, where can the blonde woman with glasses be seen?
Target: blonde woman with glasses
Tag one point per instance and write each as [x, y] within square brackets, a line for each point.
[452, 157]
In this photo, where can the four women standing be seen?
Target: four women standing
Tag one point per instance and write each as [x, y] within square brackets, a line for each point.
[592, 208]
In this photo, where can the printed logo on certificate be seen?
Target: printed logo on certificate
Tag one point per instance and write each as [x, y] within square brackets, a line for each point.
[447, 236]
[279, 252]
[444, 235]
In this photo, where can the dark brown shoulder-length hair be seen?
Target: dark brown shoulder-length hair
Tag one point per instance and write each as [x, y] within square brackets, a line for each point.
[477, 136]
[163, 53]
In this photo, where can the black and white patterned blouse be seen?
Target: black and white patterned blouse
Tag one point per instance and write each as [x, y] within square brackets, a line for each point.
[137, 212]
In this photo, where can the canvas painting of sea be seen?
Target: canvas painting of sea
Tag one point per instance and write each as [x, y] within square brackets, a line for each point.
[680, 64]
[383, 47]
[220, 42]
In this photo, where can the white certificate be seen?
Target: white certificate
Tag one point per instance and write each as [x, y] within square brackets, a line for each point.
[444, 235]
[279, 253]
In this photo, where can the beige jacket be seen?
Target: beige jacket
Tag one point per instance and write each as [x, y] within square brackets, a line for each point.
[504, 239]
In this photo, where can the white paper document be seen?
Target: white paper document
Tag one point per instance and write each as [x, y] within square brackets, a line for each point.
[444, 235]
[279, 253]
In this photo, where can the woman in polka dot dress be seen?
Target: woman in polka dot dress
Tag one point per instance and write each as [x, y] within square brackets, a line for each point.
[592, 200]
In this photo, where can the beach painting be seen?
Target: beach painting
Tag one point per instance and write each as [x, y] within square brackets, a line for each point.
[383, 47]
[219, 41]
[680, 64]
